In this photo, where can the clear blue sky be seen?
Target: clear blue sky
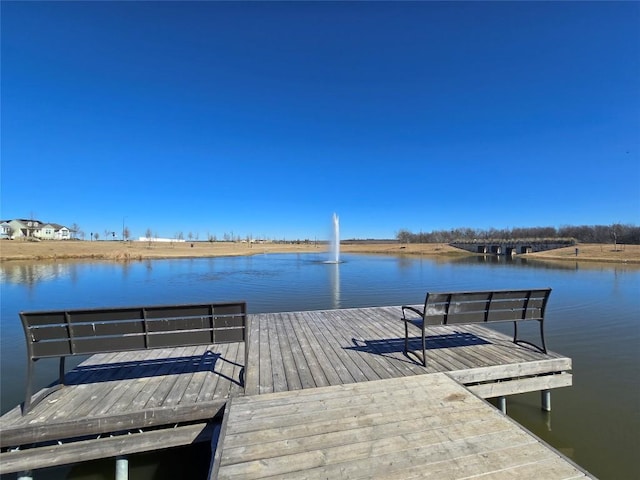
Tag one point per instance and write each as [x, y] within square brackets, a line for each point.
[263, 119]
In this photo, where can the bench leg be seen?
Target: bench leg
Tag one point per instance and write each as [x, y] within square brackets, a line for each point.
[406, 343]
[61, 370]
[424, 347]
[406, 337]
[542, 348]
[29, 401]
[26, 406]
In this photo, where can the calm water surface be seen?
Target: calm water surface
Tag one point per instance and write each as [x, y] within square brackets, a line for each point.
[592, 317]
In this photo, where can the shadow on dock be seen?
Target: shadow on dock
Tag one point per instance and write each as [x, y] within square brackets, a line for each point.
[396, 345]
[159, 367]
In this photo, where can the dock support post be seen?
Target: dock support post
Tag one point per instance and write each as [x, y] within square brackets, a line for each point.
[26, 475]
[122, 468]
[502, 404]
[546, 400]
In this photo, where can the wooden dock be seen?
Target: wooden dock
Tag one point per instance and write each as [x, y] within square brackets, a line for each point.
[290, 351]
[117, 404]
[425, 426]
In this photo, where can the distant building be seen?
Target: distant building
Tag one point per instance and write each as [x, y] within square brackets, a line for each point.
[5, 229]
[31, 228]
[24, 228]
[53, 231]
[160, 240]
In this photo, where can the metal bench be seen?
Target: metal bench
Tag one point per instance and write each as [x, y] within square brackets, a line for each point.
[65, 333]
[447, 308]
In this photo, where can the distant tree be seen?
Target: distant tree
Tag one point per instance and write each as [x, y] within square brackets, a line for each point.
[126, 233]
[148, 234]
[403, 235]
[619, 233]
[74, 230]
[190, 235]
[96, 235]
[180, 236]
[615, 231]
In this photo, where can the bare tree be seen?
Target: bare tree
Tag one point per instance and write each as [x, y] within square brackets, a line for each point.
[615, 231]
[75, 228]
[148, 234]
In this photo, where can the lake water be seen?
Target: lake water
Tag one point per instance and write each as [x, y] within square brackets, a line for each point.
[593, 317]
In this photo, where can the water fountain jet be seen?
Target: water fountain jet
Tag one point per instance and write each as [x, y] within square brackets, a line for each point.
[334, 250]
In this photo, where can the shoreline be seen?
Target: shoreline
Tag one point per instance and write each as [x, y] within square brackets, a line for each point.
[52, 250]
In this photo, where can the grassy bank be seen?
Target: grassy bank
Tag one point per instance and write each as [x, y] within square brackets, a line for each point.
[596, 252]
[11, 250]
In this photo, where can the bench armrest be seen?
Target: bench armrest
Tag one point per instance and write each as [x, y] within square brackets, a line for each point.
[413, 309]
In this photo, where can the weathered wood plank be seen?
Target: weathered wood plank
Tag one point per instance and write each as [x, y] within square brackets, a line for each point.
[50, 456]
[227, 373]
[323, 424]
[265, 383]
[334, 354]
[296, 321]
[343, 333]
[264, 416]
[77, 427]
[144, 372]
[530, 463]
[377, 429]
[278, 374]
[373, 338]
[295, 366]
[206, 369]
[254, 367]
[320, 352]
[523, 385]
[511, 370]
[195, 359]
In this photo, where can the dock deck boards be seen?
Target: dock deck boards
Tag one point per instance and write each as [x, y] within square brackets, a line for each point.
[297, 350]
[289, 351]
[132, 390]
[426, 426]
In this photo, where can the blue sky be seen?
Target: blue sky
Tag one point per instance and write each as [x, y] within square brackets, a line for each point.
[263, 119]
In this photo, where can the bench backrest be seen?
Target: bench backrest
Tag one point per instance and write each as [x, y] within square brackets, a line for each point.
[490, 306]
[79, 332]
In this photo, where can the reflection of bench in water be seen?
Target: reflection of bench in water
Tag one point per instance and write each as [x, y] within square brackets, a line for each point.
[58, 334]
[477, 307]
